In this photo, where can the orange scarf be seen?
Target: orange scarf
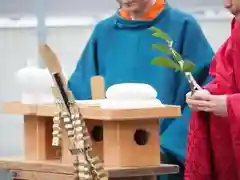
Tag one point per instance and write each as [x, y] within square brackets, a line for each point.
[150, 14]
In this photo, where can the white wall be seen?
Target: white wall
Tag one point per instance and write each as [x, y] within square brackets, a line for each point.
[216, 31]
[17, 45]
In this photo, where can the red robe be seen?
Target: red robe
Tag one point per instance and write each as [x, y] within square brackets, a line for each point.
[213, 150]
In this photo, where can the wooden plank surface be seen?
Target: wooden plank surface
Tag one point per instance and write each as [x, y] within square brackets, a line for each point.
[19, 164]
[31, 175]
[95, 112]
[15, 107]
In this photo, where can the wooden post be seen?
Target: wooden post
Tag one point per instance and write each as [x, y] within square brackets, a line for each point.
[38, 137]
[97, 87]
[34, 137]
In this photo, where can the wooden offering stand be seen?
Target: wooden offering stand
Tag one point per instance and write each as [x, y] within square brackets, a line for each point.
[127, 141]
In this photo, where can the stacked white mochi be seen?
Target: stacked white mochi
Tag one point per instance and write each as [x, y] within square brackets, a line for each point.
[130, 96]
[35, 84]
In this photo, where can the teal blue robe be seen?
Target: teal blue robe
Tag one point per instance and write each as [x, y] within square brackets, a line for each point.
[120, 50]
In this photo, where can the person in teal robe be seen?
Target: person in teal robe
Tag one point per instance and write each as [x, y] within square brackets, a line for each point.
[119, 49]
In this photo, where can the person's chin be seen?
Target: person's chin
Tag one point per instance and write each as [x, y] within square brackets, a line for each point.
[237, 17]
[237, 14]
[130, 9]
[234, 12]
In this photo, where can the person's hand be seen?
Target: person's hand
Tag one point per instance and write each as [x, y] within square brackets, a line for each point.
[216, 104]
[194, 97]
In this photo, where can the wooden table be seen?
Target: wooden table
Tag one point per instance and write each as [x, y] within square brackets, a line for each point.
[54, 170]
[39, 162]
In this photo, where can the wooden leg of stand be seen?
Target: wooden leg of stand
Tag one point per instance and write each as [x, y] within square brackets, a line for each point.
[34, 134]
[38, 139]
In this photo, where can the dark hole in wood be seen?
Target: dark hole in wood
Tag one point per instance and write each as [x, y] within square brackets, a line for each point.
[141, 137]
[97, 133]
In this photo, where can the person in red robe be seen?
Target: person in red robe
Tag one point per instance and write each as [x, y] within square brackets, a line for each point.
[213, 149]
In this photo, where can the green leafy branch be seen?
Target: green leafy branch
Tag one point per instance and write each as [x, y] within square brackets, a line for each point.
[176, 62]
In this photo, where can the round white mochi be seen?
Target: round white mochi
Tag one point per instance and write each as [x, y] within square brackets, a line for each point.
[130, 96]
[131, 91]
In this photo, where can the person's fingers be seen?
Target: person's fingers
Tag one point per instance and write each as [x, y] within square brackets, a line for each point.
[201, 101]
[199, 105]
[203, 92]
[188, 95]
[203, 97]
[200, 108]
[199, 94]
[205, 109]
[196, 102]
[191, 102]
[194, 108]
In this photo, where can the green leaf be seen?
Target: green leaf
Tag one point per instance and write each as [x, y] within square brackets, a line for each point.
[177, 56]
[188, 66]
[162, 48]
[162, 35]
[163, 61]
[155, 29]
